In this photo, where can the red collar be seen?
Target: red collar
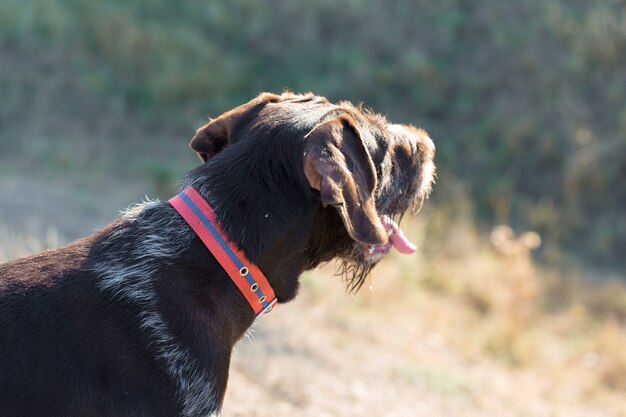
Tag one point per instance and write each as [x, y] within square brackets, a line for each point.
[246, 275]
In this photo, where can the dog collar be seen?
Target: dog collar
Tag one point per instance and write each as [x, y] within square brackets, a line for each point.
[246, 275]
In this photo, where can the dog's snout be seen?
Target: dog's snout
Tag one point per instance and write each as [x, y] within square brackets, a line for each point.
[430, 144]
[417, 138]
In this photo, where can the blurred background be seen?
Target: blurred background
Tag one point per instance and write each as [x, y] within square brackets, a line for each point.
[515, 304]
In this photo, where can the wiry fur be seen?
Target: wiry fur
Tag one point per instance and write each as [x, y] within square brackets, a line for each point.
[152, 241]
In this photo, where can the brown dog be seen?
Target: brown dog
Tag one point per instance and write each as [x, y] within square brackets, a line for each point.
[140, 318]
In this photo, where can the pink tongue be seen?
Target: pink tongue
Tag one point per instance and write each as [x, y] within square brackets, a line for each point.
[398, 239]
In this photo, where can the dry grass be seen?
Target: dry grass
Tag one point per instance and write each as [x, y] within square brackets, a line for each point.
[470, 326]
[567, 328]
[16, 245]
[481, 331]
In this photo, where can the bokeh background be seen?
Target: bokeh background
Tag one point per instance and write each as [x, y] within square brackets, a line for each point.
[515, 304]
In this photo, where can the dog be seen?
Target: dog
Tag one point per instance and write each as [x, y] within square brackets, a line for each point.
[140, 318]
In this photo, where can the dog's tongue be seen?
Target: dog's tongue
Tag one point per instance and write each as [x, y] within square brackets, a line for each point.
[397, 237]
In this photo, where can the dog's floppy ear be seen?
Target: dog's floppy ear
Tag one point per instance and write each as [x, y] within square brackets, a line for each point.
[338, 165]
[213, 137]
[210, 139]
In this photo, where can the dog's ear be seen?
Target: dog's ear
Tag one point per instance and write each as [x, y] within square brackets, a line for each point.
[210, 139]
[213, 137]
[338, 165]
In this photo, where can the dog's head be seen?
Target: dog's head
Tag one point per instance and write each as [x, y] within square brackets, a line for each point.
[361, 172]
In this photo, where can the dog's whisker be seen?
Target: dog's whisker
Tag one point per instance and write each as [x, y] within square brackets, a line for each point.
[249, 335]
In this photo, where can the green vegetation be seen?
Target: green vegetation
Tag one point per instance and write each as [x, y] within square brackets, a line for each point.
[526, 100]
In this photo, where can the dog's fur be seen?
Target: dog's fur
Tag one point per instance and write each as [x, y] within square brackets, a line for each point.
[139, 319]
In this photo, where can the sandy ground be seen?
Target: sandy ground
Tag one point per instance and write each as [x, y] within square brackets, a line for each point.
[327, 353]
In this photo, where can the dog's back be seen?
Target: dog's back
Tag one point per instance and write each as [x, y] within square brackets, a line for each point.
[66, 349]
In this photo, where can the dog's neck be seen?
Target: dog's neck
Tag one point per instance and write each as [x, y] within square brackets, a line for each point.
[248, 278]
[274, 240]
[164, 269]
